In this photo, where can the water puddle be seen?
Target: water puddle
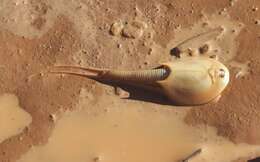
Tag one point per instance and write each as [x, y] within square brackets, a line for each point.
[116, 130]
[13, 119]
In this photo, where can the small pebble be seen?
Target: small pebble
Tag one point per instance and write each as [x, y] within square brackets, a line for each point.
[175, 52]
[233, 30]
[119, 45]
[222, 12]
[254, 9]
[214, 57]
[146, 62]
[116, 28]
[121, 93]
[53, 117]
[191, 52]
[232, 2]
[150, 35]
[132, 32]
[204, 24]
[20, 138]
[204, 49]
[150, 51]
[257, 22]
[84, 51]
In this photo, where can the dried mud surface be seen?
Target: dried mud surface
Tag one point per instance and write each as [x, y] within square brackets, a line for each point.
[60, 39]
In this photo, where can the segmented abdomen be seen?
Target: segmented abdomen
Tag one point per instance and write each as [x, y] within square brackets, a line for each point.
[138, 76]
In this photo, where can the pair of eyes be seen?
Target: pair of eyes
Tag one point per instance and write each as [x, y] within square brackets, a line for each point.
[221, 73]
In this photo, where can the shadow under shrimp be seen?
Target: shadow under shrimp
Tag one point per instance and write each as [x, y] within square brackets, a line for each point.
[140, 94]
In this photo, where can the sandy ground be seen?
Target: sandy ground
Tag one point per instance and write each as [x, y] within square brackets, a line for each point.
[37, 34]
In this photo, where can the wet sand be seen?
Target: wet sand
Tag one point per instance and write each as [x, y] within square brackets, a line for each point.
[35, 35]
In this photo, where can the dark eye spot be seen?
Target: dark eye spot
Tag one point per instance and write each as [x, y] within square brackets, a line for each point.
[221, 73]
